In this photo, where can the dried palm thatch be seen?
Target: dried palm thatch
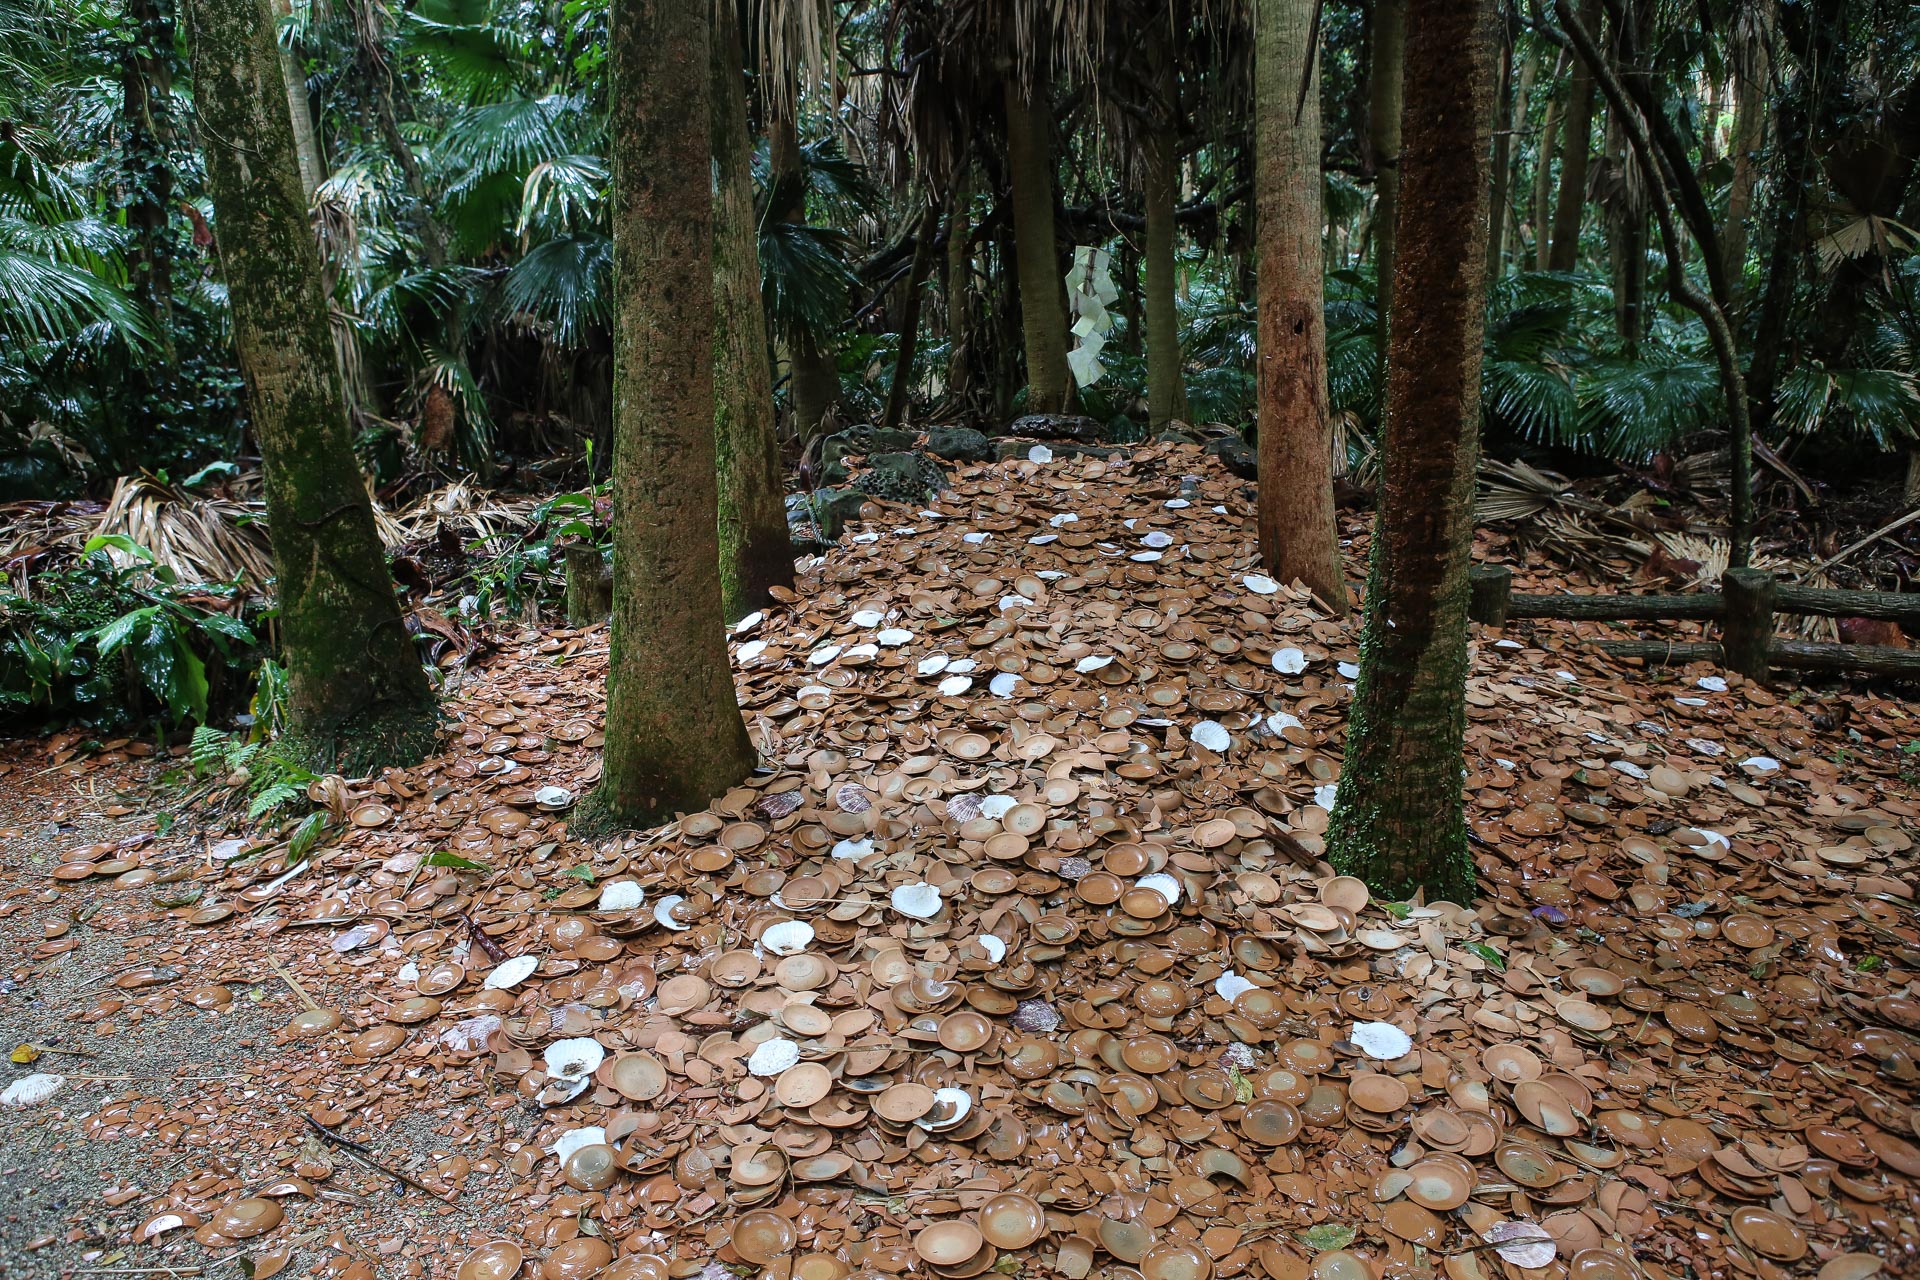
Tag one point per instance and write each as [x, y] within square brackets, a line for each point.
[218, 539]
[200, 538]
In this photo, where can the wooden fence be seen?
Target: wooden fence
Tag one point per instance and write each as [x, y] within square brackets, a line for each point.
[1744, 607]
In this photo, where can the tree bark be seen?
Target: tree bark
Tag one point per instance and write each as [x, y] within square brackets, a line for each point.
[1750, 70]
[1298, 534]
[814, 387]
[1543, 185]
[306, 138]
[675, 738]
[356, 689]
[960, 285]
[756, 552]
[1505, 100]
[1576, 144]
[1626, 244]
[1043, 298]
[1160, 163]
[1398, 821]
[1385, 76]
[147, 118]
[902, 385]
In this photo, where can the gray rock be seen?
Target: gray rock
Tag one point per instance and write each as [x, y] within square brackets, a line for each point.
[1237, 455]
[902, 477]
[1058, 426]
[817, 520]
[959, 444]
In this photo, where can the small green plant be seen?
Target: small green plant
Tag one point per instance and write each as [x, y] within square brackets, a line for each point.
[97, 641]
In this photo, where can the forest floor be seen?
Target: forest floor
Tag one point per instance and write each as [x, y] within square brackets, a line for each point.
[1059, 984]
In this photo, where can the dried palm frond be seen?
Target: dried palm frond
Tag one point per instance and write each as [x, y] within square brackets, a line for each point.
[200, 538]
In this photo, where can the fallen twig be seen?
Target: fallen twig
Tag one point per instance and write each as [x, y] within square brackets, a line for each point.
[360, 1153]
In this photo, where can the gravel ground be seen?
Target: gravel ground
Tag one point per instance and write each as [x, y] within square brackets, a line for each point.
[56, 1179]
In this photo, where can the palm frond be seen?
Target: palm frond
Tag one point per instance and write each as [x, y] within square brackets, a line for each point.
[564, 284]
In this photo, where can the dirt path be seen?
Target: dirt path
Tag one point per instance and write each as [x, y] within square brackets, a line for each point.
[153, 1084]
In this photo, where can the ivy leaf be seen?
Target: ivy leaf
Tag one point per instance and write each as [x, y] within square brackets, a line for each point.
[1488, 954]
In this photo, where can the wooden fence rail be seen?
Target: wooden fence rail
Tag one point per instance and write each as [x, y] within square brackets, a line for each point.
[1744, 607]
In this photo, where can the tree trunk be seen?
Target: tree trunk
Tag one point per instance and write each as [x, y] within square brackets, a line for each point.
[1543, 185]
[1750, 72]
[1508, 221]
[1576, 143]
[1388, 43]
[356, 689]
[756, 553]
[306, 138]
[1043, 298]
[960, 285]
[1298, 536]
[814, 386]
[1504, 102]
[1160, 163]
[675, 738]
[1398, 821]
[147, 118]
[902, 386]
[1626, 242]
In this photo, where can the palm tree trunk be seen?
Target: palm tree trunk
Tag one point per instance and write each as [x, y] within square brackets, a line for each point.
[1626, 244]
[1398, 821]
[1043, 299]
[1385, 75]
[675, 738]
[147, 119]
[1750, 69]
[917, 273]
[1160, 161]
[1576, 143]
[1504, 101]
[1543, 182]
[960, 285]
[814, 385]
[306, 138]
[1298, 537]
[356, 689]
[756, 553]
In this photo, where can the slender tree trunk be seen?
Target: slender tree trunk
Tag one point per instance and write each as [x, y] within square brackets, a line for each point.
[1043, 299]
[923, 254]
[1626, 242]
[756, 553]
[1543, 185]
[1388, 42]
[356, 691]
[1298, 535]
[147, 118]
[1160, 162]
[1750, 71]
[1576, 144]
[814, 387]
[1398, 821]
[306, 138]
[1505, 100]
[675, 738]
[960, 285]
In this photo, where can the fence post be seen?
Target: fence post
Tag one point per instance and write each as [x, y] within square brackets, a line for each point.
[589, 585]
[1489, 593]
[1746, 628]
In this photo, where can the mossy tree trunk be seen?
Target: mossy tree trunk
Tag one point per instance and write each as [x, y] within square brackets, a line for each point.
[356, 689]
[1399, 821]
[146, 75]
[1543, 177]
[1298, 538]
[675, 738]
[1750, 71]
[1576, 143]
[1160, 162]
[1387, 40]
[1043, 299]
[756, 553]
